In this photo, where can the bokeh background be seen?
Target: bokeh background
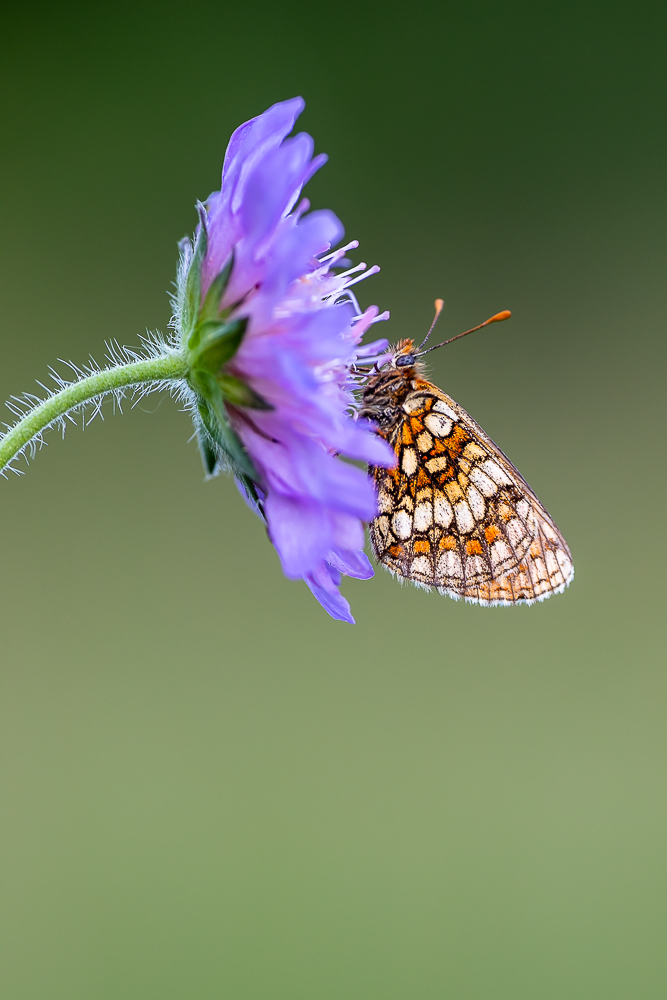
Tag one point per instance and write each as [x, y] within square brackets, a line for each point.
[209, 789]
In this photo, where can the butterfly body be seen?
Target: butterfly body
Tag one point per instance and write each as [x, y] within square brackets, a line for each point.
[454, 513]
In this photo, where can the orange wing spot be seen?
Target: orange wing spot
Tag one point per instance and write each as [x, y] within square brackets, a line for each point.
[422, 479]
[422, 546]
[396, 551]
[407, 434]
[417, 425]
[457, 439]
[395, 474]
[473, 548]
[438, 447]
[448, 542]
[491, 534]
[535, 550]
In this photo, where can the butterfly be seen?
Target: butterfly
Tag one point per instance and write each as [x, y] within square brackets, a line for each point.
[454, 513]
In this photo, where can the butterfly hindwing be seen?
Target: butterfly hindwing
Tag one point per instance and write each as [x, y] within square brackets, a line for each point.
[455, 514]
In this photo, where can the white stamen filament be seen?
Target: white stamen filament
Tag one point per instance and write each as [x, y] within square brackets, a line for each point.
[371, 270]
[340, 252]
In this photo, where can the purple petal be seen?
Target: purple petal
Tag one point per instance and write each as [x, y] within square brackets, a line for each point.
[375, 347]
[325, 591]
[295, 529]
[252, 141]
[351, 563]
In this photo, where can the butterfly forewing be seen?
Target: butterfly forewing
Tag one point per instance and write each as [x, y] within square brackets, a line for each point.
[455, 514]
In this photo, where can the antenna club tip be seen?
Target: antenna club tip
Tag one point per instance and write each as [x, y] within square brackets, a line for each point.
[499, 317]
[439, 303]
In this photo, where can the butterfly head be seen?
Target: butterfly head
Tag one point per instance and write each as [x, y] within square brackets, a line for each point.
[404, 355]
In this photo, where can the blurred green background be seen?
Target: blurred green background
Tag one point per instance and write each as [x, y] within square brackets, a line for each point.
[209, 789]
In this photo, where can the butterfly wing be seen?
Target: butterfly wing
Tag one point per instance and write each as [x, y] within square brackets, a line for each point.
[455, 514]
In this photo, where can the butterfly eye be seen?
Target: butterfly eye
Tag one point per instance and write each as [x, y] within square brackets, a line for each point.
[405, 360]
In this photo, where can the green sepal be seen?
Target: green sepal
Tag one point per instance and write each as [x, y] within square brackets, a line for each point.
[192, 291]
[251, 492]
[239, 393]
[211, 406]
[209, 457]
[218, 343]
[211, 305]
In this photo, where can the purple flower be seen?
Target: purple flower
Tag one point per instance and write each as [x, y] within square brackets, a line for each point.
[286, 380]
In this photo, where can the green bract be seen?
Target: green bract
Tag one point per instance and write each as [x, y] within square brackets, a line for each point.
[211, 338]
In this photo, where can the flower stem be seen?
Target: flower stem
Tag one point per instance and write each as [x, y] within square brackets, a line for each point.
[163, 368]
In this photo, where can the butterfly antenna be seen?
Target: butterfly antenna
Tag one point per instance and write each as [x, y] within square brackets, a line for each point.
[438, 309]
[498, 318]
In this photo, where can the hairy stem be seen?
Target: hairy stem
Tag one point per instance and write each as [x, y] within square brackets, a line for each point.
[164, 368]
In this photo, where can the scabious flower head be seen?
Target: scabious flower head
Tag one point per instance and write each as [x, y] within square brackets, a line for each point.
[272, 331]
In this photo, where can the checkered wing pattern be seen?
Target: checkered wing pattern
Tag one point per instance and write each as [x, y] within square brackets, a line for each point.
[455, 514]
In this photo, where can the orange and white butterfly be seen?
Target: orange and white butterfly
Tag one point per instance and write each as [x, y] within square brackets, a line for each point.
[454, 513]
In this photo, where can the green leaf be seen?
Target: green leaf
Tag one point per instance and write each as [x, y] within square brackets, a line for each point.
[240, 394]
[211, 306]
[219, 342]
[192, 295]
